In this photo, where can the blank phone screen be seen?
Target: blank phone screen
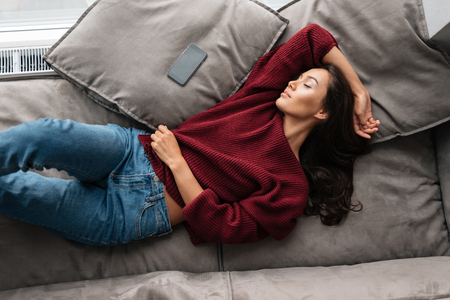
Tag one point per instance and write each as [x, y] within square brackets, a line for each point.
[187, 64]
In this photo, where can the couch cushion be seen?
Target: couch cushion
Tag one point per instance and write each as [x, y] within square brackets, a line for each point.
[119, 53]
[418, 278]
[402, 216]
[33, 256]
[170, 285]
[388, 45]
[28, 100]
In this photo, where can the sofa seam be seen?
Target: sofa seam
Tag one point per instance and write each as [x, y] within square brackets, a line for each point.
[229, 285]
[220, 257]
[287, 5]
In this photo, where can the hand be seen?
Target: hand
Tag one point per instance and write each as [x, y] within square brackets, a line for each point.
[166, 146]
[363, 122]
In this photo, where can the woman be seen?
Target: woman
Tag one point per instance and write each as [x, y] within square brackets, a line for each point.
[232, 172]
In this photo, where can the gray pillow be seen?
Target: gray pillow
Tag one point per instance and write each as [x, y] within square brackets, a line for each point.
[119, 53]
[388, 45]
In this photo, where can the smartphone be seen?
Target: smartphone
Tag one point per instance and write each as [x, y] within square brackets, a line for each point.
[186, 65]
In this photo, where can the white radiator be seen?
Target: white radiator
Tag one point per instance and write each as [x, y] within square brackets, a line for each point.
[24, 62]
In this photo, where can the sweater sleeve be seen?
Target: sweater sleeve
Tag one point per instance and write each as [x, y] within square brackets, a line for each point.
[226, 223]
[231, 223]
[303, 51]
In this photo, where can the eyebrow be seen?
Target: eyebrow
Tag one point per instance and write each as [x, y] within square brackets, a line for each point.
[313, 79]
[310, 77]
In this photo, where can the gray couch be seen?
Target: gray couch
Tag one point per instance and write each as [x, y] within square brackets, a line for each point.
[397, 247]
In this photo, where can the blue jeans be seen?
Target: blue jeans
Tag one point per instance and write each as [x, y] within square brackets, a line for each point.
[116, 199]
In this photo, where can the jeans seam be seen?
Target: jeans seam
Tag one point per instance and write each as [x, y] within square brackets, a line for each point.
[139, 233]
[159, 220]
[9, 168]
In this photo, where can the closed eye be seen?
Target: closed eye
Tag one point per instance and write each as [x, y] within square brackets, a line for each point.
[307, 85]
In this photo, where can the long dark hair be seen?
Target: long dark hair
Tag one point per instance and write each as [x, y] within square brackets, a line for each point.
[328, 154]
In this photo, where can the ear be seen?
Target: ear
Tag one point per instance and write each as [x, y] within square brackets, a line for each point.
[321, 115]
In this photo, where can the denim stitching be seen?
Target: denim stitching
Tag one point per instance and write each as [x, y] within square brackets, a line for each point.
[158, 218]
[120, 181]
[139, 218]
[9, 168]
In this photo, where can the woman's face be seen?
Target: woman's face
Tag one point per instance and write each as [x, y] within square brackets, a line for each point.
[302, 98]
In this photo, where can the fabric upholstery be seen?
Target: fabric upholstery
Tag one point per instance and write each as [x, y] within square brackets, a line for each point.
[30, 99]
[388, 45]
[418, 278]
[398, 184]
[119, 54]
[402, 216]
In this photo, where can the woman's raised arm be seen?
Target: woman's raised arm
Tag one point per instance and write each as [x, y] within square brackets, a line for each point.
[363, 121]
[301, 52]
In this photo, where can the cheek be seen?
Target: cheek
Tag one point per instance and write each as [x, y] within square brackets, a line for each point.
[314, 101]
[309, 102]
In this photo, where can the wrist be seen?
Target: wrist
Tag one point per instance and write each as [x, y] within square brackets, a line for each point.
[177, 163]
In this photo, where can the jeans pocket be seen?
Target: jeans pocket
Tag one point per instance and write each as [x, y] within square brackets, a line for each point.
[150, 220]
[141, 200]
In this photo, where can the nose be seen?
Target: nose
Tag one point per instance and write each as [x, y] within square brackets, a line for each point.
[292, 85]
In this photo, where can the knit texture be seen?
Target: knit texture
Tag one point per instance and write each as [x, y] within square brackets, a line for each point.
[253, 184]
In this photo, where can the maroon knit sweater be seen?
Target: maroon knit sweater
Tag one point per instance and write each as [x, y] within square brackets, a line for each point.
[253, 184]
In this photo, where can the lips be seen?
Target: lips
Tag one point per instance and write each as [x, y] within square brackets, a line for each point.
[286, 94]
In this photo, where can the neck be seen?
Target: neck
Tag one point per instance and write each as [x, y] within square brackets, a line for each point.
[297, 132]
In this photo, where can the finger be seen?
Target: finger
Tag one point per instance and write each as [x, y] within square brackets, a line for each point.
[362, 119]
[163, 128]
[359, 117]
[363, 134]
[370, 131]
[156, 136]
[373, 125]
[369, 125]
[357, 123]
[158, 133]
[358, 128]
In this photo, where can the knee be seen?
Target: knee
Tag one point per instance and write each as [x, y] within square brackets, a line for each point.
[43, 126]
[41, 131]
